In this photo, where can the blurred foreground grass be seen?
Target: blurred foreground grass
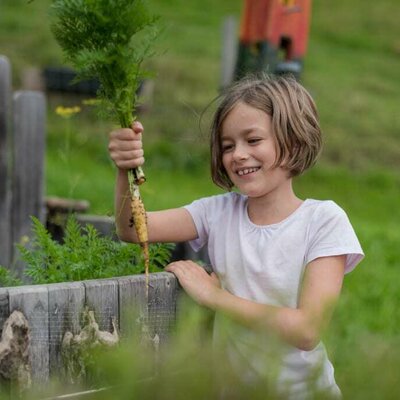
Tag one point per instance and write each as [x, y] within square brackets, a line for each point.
[191, 366]
[352, 70]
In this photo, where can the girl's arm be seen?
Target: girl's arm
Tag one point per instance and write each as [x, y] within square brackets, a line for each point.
[175, 225]
[300, 327]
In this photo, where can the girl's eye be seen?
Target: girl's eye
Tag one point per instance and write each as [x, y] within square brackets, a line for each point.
[254, 140]
[227, 147]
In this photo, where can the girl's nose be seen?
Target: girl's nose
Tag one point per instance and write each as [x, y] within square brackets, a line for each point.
[240, 153]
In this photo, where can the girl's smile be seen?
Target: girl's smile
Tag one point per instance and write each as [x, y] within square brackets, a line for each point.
[247, 170]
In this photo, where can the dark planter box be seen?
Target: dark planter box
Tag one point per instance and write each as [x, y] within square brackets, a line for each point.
[61, 79]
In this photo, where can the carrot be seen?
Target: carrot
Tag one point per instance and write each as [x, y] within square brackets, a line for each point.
[139, 219]
[140, 223]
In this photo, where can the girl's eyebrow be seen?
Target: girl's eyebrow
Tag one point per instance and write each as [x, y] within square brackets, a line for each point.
[244, 132]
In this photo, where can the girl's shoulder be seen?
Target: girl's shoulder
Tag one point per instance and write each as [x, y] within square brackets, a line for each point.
[225, 200]
[213, 208]
[323, 208]
[327, 216]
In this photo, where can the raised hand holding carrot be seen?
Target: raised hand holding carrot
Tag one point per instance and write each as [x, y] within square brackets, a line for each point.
[126, 148]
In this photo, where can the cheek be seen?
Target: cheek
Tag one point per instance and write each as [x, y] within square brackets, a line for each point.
[225, 161]
[268, 154]
[226, 167]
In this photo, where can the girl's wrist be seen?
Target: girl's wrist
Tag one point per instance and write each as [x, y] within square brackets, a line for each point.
[122, 171]
[122, 174]
[214, 300]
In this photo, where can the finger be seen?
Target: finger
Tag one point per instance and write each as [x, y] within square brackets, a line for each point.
[123, 134]
[137, 127]
[125, 150]
[169, 267]
[121, 155]
[129, 164]
[130, 155]
[173, 266]
[178, 269]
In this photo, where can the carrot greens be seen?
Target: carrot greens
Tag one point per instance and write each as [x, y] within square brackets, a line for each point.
[108, 40]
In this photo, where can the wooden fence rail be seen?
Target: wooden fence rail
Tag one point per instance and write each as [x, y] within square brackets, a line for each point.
[5, 91]
[54, 309]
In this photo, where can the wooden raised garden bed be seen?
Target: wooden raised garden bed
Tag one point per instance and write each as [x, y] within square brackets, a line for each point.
[53, 310]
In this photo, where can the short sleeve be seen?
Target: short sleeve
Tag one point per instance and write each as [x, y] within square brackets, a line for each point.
[198, 211]
[331, 234]
[208, 215]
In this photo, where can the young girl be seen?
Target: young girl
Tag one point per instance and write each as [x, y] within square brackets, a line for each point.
[278, 260]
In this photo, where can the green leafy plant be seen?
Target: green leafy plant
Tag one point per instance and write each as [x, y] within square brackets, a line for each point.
[108, 40]
[84, 254]
[7, 278]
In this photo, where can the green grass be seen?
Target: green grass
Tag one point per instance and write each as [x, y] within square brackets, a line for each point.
[351, 69]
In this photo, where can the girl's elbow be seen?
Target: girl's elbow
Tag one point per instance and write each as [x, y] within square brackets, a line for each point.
[121, 236]
[307, 344]
[125, 235]
[308, 340]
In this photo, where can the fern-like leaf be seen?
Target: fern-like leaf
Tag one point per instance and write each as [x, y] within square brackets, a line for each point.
[107, 40]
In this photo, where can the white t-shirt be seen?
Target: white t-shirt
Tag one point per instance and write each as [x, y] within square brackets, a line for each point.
[266, 264]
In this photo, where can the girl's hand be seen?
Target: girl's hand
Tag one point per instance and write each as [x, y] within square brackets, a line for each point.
[125, 146]
[200, 286]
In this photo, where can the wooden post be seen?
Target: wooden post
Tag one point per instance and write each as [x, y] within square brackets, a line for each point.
[229, 50]
[32, 301]
[29, 117]
[5, 103]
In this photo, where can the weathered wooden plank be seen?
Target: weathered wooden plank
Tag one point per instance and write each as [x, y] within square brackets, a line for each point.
[32, 301]
[29, 119]
[229, 50]
[5, 159]
[132, 304]
[163, 294]
[66, 303]
[4, 307]
[102, 298]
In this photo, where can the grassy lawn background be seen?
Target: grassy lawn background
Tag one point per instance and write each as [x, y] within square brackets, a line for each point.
[352, 69]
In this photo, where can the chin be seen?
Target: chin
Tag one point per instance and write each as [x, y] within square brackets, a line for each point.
[251, 192]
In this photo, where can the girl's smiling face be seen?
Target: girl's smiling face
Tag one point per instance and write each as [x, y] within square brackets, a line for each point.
[249, 151]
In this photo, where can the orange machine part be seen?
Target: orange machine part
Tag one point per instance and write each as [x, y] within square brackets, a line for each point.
[275, 21]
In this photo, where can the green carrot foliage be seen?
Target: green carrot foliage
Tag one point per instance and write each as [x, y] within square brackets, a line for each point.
[84, 254]
[107, 40]
[8, 278]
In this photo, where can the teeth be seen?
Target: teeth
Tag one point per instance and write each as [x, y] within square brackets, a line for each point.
[247, 171]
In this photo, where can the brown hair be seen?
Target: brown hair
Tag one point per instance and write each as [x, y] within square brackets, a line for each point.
[294, 116]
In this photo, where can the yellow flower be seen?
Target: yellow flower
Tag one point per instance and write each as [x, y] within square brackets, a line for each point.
[67, 112]
[90, 102]
[24, 240]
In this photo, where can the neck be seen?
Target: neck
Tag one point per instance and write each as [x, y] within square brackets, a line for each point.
[274, 207]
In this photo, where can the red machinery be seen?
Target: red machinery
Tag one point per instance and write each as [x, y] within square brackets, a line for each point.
[273, 36]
